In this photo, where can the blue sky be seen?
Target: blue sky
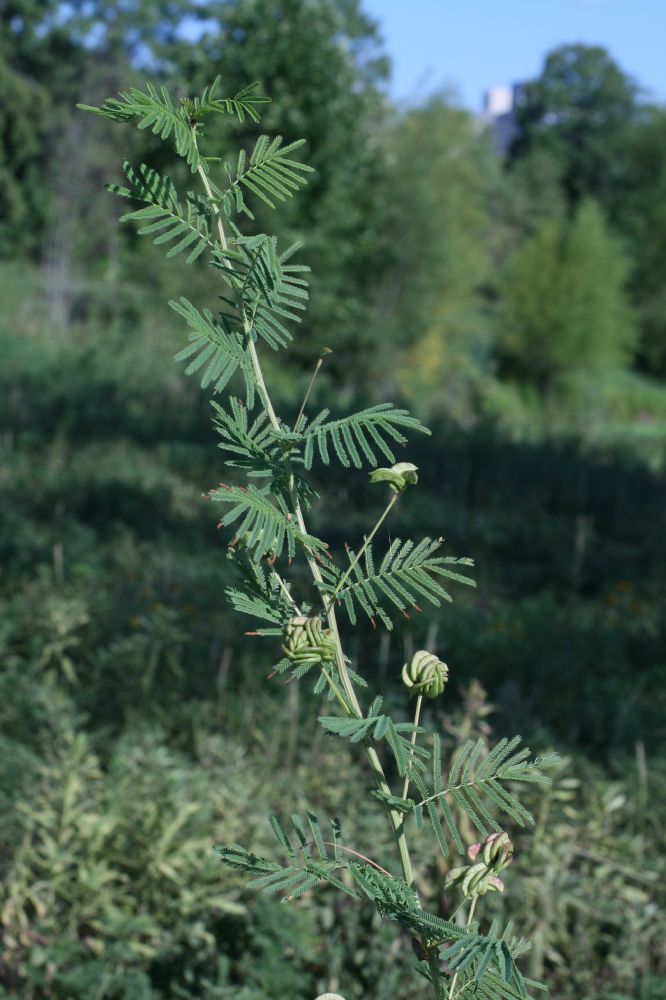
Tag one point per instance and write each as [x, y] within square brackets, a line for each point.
[473, 44]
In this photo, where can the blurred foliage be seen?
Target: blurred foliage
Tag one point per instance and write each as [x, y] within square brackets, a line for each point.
[518, 307]
[439, 311]
[563, 304]
[640, 209]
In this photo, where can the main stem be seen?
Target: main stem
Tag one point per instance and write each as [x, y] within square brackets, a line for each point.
[395, 819]
[470, 915]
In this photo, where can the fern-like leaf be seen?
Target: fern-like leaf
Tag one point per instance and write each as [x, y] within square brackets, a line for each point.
[397, 900]
[155, 109]
[357, 437]
[477, 785]
[164, 219]
[258, 592]
[214, 349]
[267, 289]
[303, 871]
[250, 444]
[270, 173]
[241, 105]
[378, 726]
[406, 574]
[263, 524]
[485, 965]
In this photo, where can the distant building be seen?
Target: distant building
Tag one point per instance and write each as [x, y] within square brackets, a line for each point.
[499, 114]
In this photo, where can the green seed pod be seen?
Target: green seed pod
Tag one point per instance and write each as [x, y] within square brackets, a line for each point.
[399, 476]
[454, 876]
[425, 675]
[495, 854]
[497, 851]
[307, 641]
[474, 880]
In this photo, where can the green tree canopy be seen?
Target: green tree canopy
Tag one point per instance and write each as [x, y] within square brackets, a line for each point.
[641, 215]
[23, 119]
[578, 110]
[439, 237]
[564, 305]
[323, 64]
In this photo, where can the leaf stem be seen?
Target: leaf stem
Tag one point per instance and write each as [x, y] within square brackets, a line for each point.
[320, 362]
[350, 850]
[201, 170]
[285, 590]
[435, 975]
[335, 689]
[417, 716]
[345, 576]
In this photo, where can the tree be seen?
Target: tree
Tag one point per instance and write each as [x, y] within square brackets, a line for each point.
[322, 63]
[49, 50]
[23, 120]
[641, 216]
[578, 110]
[563, 300]
[439, 233]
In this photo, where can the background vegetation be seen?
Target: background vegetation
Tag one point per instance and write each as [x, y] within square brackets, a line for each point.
[518, 304]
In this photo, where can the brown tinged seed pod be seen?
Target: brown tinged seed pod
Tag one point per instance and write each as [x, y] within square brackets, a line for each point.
[473, 880]
[494, 854]
[425, 675]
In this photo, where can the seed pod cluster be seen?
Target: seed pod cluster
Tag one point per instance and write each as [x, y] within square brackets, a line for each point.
[425, 675]
[495, 854]
[307, 641]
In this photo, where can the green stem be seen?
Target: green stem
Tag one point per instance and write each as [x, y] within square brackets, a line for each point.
[345, 576]
[470, 915]
[417, 716]
[320, 362]
[395, 818]
[435, 975]
[216, 208]
[285, 590]
[335, 689]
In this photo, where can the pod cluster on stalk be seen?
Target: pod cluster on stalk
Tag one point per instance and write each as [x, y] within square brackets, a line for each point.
[494, 855]
[425, 674]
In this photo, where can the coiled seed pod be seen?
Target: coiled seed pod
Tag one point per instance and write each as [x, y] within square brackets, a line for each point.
[425, 675]
[307, 641]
